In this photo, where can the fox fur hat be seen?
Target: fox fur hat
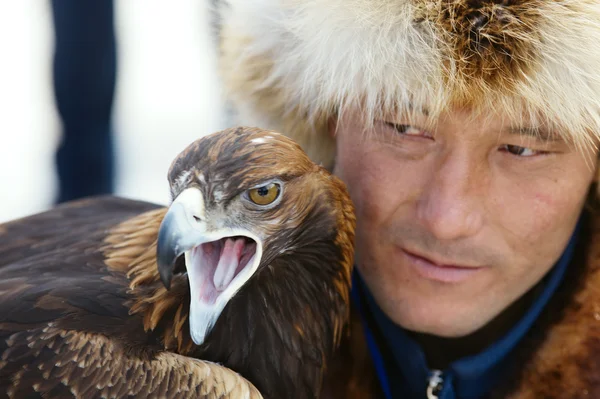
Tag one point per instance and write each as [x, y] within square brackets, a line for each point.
[292, 65]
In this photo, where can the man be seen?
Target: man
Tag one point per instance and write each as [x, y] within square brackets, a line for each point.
[467, 134]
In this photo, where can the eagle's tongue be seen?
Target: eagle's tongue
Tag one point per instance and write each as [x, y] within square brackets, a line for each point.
[228, 262]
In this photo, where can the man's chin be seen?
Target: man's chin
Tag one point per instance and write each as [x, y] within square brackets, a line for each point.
[439, 328]
[450, 320]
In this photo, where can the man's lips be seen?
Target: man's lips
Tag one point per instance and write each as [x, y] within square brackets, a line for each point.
[436, 270]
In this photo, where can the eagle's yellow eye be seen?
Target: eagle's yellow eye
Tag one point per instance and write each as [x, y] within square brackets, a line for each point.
[264, 195]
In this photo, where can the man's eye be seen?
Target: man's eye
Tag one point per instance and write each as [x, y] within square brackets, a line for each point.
[407, 130]
[519, 151]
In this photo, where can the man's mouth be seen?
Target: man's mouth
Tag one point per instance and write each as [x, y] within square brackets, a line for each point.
[446, 272]
[217, 265]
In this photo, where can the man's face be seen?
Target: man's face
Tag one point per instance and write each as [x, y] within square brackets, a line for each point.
[457, 221]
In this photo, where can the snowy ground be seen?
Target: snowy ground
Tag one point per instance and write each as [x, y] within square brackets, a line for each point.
[167, 96]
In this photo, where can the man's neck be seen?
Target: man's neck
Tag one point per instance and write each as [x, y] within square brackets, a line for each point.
[440, 352]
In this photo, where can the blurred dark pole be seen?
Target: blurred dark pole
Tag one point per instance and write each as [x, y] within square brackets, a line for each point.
[84, 74]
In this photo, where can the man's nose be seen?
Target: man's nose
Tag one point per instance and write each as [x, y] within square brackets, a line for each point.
[451, 203]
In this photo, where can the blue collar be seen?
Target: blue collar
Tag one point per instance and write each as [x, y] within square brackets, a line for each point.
[467, 378]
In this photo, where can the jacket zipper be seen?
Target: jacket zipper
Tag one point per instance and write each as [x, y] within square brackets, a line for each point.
[436, 382]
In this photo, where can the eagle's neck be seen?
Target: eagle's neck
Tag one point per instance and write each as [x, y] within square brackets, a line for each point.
[130, 250]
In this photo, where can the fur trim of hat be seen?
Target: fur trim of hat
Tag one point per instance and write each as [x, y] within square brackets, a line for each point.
[290, 65]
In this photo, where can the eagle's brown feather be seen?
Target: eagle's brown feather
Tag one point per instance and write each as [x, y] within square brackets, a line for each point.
[131, 249]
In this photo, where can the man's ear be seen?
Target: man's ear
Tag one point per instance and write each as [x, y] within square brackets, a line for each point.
[332, 126]
[595, 195]
[596, 178]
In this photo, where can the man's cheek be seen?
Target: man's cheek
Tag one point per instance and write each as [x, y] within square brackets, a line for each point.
[367, 197]
[542, 224]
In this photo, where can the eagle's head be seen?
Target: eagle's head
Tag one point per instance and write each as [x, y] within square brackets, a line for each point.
[243, 199]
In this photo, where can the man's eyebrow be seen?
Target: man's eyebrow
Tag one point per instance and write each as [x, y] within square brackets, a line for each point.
[533, 132]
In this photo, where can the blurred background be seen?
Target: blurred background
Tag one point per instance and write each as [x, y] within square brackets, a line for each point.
[166, 96]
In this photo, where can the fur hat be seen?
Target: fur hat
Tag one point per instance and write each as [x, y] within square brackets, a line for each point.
[290, 65]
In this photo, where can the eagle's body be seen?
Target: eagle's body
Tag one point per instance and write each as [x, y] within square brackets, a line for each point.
[84, 313]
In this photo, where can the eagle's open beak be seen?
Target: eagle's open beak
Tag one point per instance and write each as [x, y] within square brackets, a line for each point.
[219, 261]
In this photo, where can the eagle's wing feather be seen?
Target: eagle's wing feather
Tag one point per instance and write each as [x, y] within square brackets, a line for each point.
[57, 363]
[72, 225]
[52, 266]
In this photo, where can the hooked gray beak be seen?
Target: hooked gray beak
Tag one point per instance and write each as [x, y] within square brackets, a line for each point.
[179, 231]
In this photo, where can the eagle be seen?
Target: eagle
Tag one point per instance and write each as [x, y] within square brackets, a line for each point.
[238, 289]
